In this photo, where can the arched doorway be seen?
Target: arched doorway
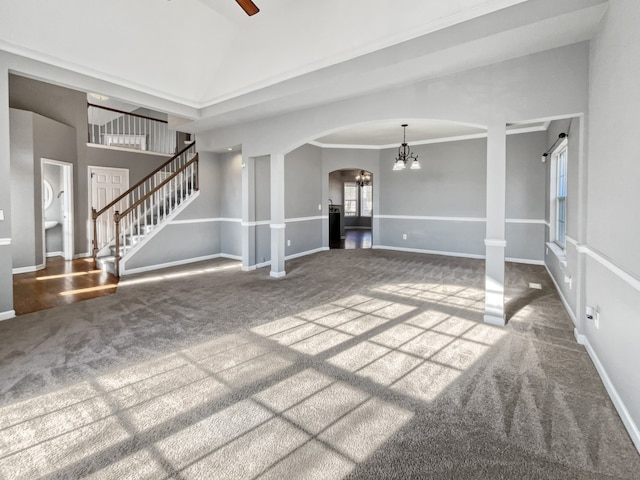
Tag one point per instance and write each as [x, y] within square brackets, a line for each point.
[350, 208]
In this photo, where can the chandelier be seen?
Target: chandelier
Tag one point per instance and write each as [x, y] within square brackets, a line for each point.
[363, 178]
[405, 154]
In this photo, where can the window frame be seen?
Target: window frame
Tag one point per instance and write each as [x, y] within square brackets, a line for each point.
[359, 200]
[559, 195]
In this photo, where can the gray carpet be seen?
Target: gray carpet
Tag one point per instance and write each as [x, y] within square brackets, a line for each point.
[359, 364]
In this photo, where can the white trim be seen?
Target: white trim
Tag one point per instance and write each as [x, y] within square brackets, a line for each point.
[456, 138]
[493, 320]
[536, 221]
[626, 418]
[581, 339]
[571, 240]
[54, 254]
[430, 252]
[278, 274]
[628, 278]
[495, 242]
[30, 269]
[526, 220]
[560, 253]
[176, 263]
[304, 254]
[524, 260]
[9, 314]
[278, 226]
[130, 150]
[82, 255]
[262, 265]
[257, 223]
[572, 315]
[4, 242]
[231, 257]
[447, 219]
[304, 219]
[204, 220]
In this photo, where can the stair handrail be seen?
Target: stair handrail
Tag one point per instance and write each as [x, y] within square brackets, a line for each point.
[162, 184]
[135, 191]
[131, 189]
[119, 215]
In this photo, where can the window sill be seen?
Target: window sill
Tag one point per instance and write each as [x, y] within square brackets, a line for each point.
[559, 252]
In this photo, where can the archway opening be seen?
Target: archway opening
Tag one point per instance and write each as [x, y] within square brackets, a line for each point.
[350, 208]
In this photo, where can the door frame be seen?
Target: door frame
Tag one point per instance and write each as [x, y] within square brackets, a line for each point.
[90, 169]
[67, 203]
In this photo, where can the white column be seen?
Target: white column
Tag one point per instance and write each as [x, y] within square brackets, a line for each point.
[248, 214]
[277, 216]
[495, 243]
[581, 288]
[6, 277]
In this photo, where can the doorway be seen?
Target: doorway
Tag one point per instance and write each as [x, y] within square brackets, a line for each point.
[107, 184]
[350, 209]
[57, 209]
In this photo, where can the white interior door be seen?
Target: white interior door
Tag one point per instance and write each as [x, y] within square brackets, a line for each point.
[107, 184]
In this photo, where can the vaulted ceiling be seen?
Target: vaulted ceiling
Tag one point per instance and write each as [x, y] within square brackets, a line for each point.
[228, 67]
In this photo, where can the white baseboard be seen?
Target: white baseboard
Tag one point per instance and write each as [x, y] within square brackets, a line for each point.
[231, 257]
[277, 274]
[494, 320]
[524, 260]
[429, 252]
[630, 425]
[304, 254]
[82, 255]
[572, 315]
[54, 254]
[30, 269]
[177, 263]
[7, 315]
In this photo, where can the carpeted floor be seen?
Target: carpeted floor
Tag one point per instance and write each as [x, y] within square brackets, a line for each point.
[359, 364]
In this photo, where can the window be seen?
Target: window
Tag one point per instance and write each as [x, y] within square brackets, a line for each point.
[358, 201]
[366, 201]
[350, 199]
[561, 196]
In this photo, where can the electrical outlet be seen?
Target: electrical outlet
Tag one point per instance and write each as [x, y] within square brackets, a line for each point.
[1, 215]
[288, 243]
[547, 250]
[404, 236]
[319, 206]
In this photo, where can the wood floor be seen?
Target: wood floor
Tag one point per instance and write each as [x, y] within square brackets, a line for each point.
[60, 283]
[354, 239]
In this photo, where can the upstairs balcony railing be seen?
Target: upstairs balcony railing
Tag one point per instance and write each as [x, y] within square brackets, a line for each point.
[117, 128]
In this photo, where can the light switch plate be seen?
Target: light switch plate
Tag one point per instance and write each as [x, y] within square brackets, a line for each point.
[1, 215]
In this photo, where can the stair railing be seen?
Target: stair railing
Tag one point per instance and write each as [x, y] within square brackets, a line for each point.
[154, 188]
[118, 128]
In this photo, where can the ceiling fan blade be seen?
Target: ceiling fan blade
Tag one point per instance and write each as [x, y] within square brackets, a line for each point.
[248, 6]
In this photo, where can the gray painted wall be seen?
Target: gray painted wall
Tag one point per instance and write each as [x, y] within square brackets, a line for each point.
[303, 182]
[6, 278]
[23, 212]
[33, 137]
[303, 194]
[195, 240]
[231, 203]
[612, 206]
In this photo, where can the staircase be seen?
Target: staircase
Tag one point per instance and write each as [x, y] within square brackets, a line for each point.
[122, 227]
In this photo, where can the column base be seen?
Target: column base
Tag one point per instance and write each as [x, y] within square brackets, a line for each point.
[277, 274]
[495, 320]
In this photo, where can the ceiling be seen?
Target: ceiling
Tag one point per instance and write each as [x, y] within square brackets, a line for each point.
[209, 59]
